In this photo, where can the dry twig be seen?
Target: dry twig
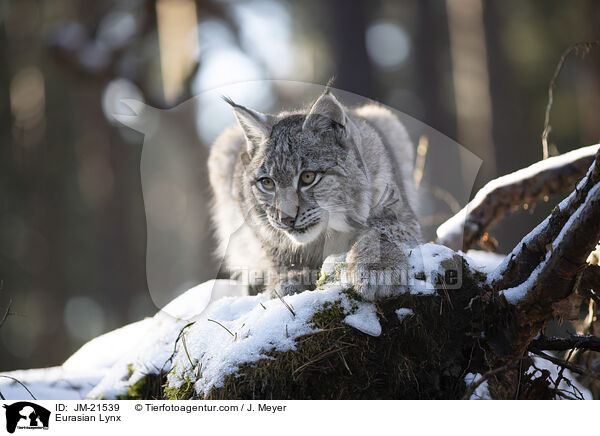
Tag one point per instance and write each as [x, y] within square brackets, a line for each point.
[17, 381]
[579, 48]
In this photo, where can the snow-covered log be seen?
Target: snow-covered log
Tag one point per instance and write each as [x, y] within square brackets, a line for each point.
[431, 339]
[546, 265]
[326, 343]
[527, 186]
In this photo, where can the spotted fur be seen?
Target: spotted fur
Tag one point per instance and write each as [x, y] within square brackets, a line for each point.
[362, 201]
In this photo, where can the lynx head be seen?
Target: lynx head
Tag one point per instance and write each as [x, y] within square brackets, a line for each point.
[303, 174]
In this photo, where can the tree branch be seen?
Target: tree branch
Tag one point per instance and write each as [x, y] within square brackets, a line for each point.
[562, 344]
[533, 248]
[6, 314]
[473, 386]
[555, 175]
[544, 268]
[563, 363]
[590, 281]
[582, 47]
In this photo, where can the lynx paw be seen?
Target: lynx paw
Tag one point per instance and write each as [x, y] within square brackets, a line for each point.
[376, 270]
[374, 282]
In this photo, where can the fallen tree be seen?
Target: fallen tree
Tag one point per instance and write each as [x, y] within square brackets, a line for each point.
[489, 326]
[483, 338]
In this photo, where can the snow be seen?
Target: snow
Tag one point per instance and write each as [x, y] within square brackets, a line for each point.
[571, 389]
[55, 383]
[103, 352]
[403, 312]
[484, 261]
[200, 327]
[196, 299]
[230, 333]
[259, 326]
[452, 229]
[481, 392]
[151, 352]
[568, 227]
[517, 293]
[214, 337]
[149, 355]
[427, 259]
[80, 373]
[365, 319]
[108, 364]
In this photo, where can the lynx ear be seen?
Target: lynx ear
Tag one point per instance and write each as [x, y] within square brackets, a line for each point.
[326, 108]
[256, 126]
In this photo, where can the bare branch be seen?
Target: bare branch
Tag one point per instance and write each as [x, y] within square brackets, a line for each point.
[546, 265]
[533, 248]
[19, 382]
[555, 175]
[590, 281]
[563, 344]
[6, 314]
[473, 386]
[580, 48]
[563, 363]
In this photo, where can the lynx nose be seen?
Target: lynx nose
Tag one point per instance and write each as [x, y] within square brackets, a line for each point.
[286, 220]
[287, 206]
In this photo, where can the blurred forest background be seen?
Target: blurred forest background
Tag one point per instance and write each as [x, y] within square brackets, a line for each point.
[72, 224]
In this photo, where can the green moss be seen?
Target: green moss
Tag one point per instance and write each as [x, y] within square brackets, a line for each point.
[322, 280]
[331, 313]
[148, 387]
[353, 296]
[183, 392]
[325, 278]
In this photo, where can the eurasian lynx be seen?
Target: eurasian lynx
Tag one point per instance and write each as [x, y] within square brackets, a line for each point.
[293, 188]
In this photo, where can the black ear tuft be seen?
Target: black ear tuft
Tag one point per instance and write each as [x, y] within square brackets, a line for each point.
[329, 85]
[256, 125]
[325, 110]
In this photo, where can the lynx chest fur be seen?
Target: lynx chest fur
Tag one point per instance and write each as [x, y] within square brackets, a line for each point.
[293, 188]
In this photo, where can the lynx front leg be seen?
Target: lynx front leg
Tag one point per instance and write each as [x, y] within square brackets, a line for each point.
[377, 262]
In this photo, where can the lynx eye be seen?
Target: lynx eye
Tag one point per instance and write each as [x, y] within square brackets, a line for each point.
[307, 177]
[266, 184]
